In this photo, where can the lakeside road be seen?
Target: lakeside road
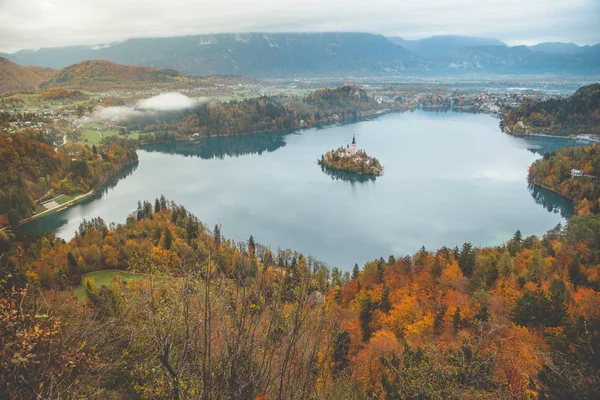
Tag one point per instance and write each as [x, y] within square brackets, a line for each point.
[57, 208]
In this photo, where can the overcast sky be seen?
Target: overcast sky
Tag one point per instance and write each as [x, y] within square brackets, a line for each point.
[46, 23]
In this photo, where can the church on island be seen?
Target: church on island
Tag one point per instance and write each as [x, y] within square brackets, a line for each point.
[351, 159]
[348, 151]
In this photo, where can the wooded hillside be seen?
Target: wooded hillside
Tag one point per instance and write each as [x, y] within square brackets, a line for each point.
[15, 77]
[553, 172]
[201, 316]
[577, 114]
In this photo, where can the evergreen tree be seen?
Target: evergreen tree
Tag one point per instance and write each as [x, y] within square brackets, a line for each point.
[217, 235]
[147, 209]
[533, 309]
[156, 206]
[251, 246]
[385, 305]
[355, 272]
[163, 202]
[341, 349]
[167, 239]
[365, 315]
[140, 211]
[191, 228]
[514, 245]
[483, 314]
[456, 320]
[74, 272]
[466, 260]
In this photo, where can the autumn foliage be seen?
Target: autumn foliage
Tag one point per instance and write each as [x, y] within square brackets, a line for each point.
[211, 318]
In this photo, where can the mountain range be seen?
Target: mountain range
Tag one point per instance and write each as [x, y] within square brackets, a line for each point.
[284, 55]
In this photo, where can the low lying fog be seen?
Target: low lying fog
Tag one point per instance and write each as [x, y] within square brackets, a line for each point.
[161, 103]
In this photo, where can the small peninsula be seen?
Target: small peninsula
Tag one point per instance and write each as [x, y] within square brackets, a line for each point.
[351, 159]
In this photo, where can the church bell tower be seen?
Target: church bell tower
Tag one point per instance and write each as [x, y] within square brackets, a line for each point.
[353, 150]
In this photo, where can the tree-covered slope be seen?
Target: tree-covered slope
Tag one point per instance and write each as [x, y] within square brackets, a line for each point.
[256, 115]
[14, 77]
[204, 316]
[553, 172]
[576, 114]
[30, 170]
[102, 73]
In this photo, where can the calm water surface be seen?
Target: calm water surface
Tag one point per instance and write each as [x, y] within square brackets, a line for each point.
[449, 178]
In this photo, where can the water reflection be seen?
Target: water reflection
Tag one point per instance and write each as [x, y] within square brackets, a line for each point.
[551, 201]
[221, 147]
[543, 144]
[351, 177]
[54, 221]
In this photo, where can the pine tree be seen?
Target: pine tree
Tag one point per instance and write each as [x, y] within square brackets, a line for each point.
[355, 272]
[147, 209]
[385, 305]
[140, 212]
[167, 239]
[456, 320]
[156, 206]
[217, 235]
[73, 270]
[251, 246]
[365, 315]
[191, 228]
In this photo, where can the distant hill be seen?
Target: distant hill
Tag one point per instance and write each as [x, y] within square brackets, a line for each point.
[16, 77]
[438, 46]
[102, 73]
[285, 55]
[579, 113]
[558, 48]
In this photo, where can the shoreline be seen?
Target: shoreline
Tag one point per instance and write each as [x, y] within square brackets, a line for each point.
[589, 140]
[361, 118]
[56, 209]
[365, 117]
[558, 194]
[368, 174]
[66, 205]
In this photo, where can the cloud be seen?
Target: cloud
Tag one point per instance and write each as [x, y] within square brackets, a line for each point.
[161, 103]
[39, 23]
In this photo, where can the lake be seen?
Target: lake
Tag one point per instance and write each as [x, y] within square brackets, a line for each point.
[449, 178]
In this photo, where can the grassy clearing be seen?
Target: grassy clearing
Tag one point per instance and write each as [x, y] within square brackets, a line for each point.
[39, 208]
[64, 199]
[90, 136]
[104, 278]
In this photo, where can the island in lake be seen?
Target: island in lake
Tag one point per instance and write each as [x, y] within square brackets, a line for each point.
[351, 159]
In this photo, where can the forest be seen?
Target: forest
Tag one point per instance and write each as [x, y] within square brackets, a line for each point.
[576, 114]
[202, 316]
[266, 114]
[553, 172]
[32, 170]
